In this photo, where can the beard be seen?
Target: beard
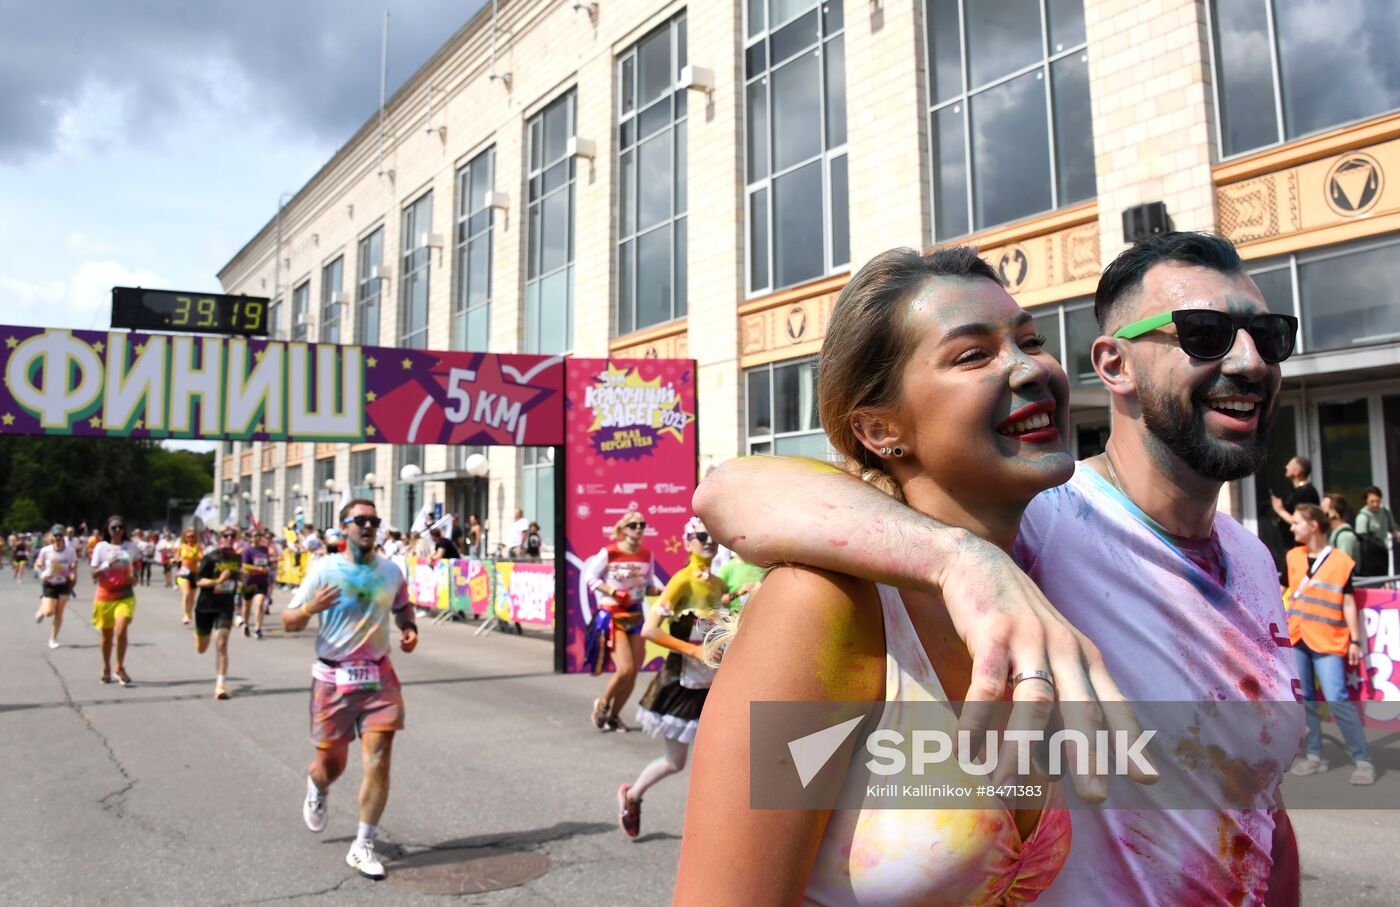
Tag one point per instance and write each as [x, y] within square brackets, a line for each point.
[1181, 428]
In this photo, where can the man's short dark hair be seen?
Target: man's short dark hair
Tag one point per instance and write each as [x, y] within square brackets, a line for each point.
[1124, 274]
[356, 502]
[1371, 490]
[1305, 465]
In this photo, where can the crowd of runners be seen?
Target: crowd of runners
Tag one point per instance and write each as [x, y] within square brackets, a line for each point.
[982, 598]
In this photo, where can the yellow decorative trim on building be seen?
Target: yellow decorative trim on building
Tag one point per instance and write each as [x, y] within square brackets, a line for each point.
[357, 448]
[324, 449]
[1308, 149]
[245, 463]
[227, 471]
[1050, 259]
[293, 452]
[1022, 230]
[1352, 194]
[668, 341]
[269, 457]
[789, 324]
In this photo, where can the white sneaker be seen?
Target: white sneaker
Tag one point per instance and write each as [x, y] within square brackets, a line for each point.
[361, 857]
[54, 644]
[313, 812]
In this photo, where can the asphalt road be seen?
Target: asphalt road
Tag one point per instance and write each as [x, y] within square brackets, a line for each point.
[158, 794]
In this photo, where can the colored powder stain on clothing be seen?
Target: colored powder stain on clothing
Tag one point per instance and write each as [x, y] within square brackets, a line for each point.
[1249, 686]
[838, 543]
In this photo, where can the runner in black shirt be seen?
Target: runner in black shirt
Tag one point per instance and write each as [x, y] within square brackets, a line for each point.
[444, 549]
[217, 580]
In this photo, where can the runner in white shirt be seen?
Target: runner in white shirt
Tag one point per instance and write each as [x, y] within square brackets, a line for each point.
[1181, 601]
[58, 566]
[518, 530]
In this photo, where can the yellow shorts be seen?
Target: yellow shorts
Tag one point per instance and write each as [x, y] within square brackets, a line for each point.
[105, 614]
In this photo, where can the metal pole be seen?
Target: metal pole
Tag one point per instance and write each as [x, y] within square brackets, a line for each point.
[561, 564]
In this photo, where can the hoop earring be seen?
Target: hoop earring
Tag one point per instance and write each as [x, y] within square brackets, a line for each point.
[898, 452]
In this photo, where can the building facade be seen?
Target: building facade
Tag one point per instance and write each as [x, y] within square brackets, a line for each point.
[636, 178]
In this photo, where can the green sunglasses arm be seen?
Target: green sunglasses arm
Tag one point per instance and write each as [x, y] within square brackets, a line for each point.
[1143, 326]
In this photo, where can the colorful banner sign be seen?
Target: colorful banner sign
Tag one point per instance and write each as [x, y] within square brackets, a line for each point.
[1377, 685]
[631, 444]
[126, 384]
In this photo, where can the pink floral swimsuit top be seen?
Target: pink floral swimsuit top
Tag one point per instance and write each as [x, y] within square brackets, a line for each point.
[955, 857]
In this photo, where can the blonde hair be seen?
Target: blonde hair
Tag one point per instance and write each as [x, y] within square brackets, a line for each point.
[869, 340]
[623, 521]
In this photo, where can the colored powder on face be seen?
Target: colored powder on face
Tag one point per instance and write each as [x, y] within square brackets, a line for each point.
[838, 543]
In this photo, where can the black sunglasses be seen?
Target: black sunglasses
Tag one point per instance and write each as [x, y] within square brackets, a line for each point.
[115, 527]
[701, 537]
[362, 521]
[636, 525]
[1208, 334]
[228, 535]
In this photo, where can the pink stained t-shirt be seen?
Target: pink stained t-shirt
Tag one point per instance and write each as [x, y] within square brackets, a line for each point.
[1169, 632]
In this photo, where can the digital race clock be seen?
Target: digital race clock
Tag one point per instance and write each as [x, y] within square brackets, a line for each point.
[199, 313]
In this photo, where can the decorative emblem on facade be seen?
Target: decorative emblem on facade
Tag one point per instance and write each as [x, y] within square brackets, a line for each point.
[796, 323]
[1354, 184]
[1013, 266]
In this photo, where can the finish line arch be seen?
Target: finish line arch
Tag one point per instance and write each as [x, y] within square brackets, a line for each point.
[625, 431]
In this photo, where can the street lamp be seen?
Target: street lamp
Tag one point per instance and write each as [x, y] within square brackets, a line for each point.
[409, 474]
[367, 481]
[329, 485]
[269, 494]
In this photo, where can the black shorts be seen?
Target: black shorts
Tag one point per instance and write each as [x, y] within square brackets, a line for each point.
[250, 591]
[205, 622]
[56, 590]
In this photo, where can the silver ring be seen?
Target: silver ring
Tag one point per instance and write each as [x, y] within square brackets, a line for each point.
[1033, 675]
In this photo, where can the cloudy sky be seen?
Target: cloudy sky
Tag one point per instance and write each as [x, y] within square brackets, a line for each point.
[143, 142]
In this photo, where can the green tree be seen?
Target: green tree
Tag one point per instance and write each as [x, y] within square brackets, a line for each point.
[76, 480]
[24, 516]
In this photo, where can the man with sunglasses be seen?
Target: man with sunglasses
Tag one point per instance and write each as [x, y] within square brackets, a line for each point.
[354, 689]
[217, 581]
[1180, 603]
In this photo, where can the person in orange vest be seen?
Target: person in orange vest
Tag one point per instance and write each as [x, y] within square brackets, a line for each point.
[1326, 634]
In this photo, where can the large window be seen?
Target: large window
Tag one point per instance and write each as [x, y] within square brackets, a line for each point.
[651, 263]
[1345, 296]
[361, 465]
[331, 279]
[267, 507]
[537, 491]
[417, 261]
[1009, 126]
[326, 497]
[471, 302]
[301, 304]
[549, 278]
[1286, 69]
[1070, 329]
[369, 288]
[294, 494]
[408, 497]
[274, 320]
[795, 142]
[782, 410]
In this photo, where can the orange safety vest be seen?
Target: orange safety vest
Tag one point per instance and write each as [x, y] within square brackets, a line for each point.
[1315, 602]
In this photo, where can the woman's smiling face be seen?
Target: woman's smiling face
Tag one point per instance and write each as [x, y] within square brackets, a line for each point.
[983, 406]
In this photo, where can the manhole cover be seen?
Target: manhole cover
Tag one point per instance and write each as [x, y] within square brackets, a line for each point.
[466, 870]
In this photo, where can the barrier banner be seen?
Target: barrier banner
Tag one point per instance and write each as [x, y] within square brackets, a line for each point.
[127, 384]
[532, 594]
[1377, 684]
[631, 444]
[477, 575]
[422, 581]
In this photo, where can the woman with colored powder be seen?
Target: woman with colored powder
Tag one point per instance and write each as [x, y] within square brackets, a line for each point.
[620, 575]
[672, 704]
[910, 334]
